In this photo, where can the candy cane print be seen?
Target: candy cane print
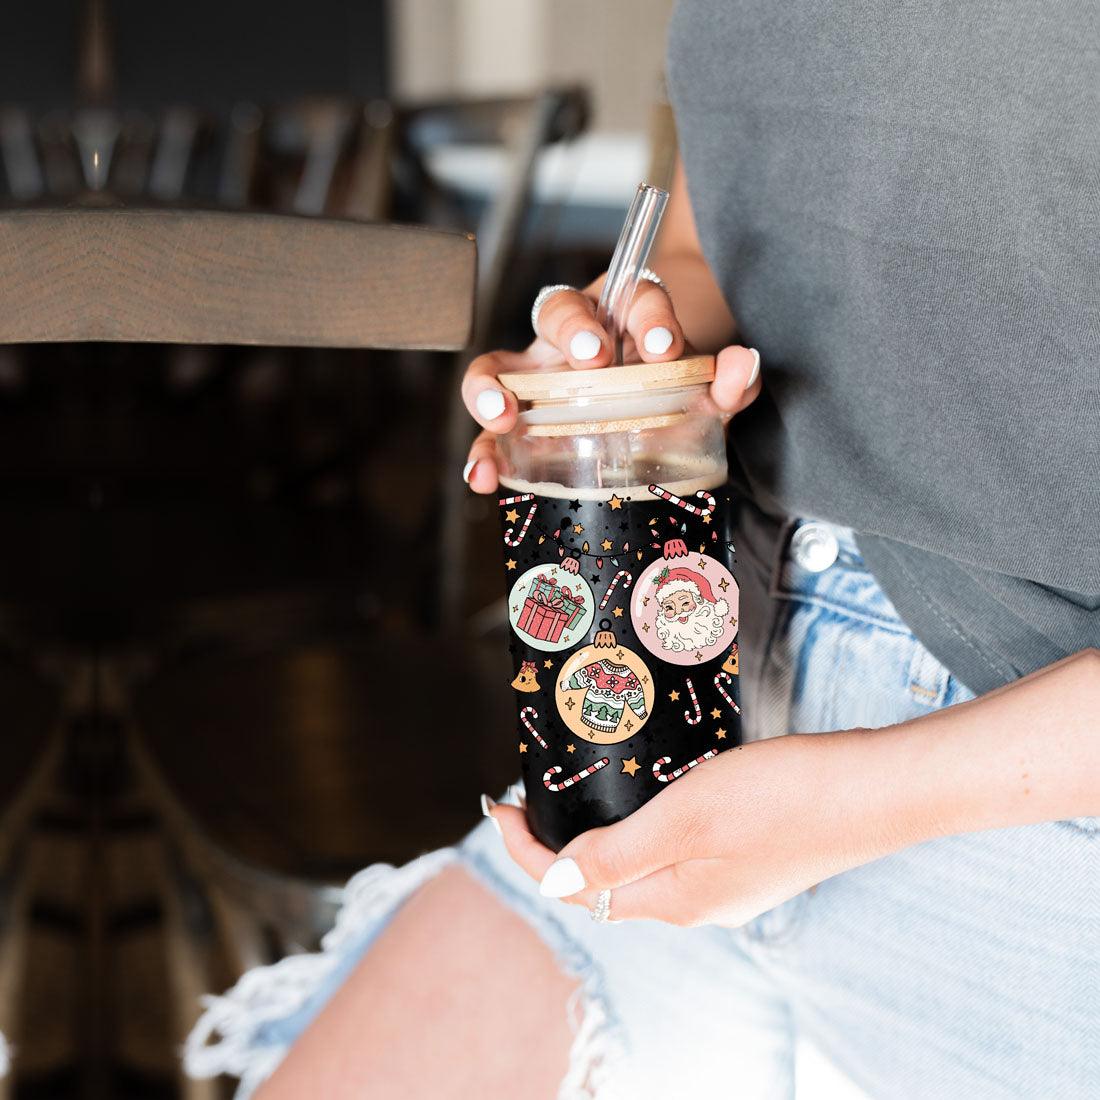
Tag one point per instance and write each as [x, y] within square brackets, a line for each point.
[662, 761]
[695, 703]
[521, 499]
[718, 683]
[529, 727]
[614, 584]
[548, 778]
[694, 509]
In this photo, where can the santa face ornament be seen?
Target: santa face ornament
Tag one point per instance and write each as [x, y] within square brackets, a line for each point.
[684, 608]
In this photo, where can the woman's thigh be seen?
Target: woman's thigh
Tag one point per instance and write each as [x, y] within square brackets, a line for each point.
[457, 997]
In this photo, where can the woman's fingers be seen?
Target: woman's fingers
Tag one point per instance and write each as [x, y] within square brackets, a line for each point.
[678, 894]
[568, 321]
[652, 323]
[481, 471]
[736, 382]
[487, 401]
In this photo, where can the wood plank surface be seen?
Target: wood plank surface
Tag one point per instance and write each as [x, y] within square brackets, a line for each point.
[217, 277]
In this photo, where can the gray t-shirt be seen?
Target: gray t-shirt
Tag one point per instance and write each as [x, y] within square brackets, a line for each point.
[901, 203]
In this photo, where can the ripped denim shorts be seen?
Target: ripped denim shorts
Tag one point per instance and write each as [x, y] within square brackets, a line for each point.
[966, 966]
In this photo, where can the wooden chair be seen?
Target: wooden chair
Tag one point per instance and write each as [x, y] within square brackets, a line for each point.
[256, 707]
[113, 273]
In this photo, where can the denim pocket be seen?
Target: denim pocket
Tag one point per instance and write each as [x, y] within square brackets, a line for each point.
[831, 665]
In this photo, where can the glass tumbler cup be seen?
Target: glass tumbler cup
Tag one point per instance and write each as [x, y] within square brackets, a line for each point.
[622, 603]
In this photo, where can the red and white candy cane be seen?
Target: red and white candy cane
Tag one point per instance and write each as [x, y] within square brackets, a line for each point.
[720, 681]
[557, 769]
[527, 725]
[624, 576]
[523, 498]
[695, 703]
[694, 509]
[662, 761]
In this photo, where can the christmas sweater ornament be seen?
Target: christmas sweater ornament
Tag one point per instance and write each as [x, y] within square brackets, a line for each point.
[605, 691]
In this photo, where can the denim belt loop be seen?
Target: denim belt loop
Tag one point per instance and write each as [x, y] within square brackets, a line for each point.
[784, 534]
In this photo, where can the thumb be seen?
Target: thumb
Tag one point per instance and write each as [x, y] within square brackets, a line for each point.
[736, 382]
[612, 856]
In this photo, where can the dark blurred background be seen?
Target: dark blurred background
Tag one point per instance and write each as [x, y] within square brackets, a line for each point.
[249, 620]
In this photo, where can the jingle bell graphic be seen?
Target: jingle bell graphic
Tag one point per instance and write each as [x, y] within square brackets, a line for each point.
[527, 679]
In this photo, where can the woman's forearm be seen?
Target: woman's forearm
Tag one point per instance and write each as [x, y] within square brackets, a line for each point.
[1027, 753]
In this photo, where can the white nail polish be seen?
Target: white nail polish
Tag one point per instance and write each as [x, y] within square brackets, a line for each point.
[563, 878]
[755, 368]
[585, 345]
[468, 469]
[658, 340]
[487, 805]
[490, 404]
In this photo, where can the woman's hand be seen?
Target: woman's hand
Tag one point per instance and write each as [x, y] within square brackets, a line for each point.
[725, 842]
[756, 825]
[570, 336]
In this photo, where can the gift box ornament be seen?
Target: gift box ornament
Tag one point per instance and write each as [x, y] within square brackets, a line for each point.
[549, 609]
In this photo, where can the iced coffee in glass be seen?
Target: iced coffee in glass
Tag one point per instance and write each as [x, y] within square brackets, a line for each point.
[622, 600]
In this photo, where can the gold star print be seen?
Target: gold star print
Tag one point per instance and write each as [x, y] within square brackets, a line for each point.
[511, 563]
[723, 584]
[645, 627]
[606, 544]
[630, 766]
[578, 528]
[706, 518]
[570, 704]
[523, 746]
[645, 601]
[720, 734]
[674, 696]
[512, 516]
[570, 748]
[619, 654]
[550, 664]
[716, 713]
[618, 612]
[701, 564]
[698, 655]
[615, 502]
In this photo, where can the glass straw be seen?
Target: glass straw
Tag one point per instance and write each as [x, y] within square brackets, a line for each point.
[635, 242]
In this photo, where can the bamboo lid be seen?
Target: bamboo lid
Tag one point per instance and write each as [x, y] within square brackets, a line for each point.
[561, 385]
